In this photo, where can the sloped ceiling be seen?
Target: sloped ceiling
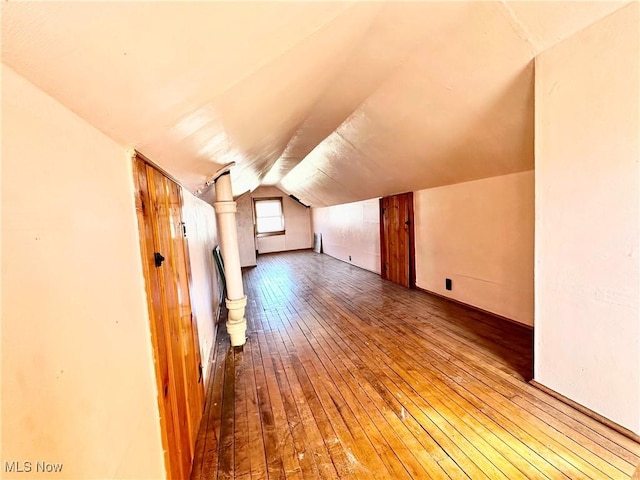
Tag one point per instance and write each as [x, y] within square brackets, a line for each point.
[330, 101]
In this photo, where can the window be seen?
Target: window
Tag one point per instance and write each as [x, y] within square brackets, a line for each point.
[269, 216]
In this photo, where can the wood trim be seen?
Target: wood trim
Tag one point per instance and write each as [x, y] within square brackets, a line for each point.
[473, 307]
[218, 314]
[152, 164]
[412, 244]
[292, 250]
[266, 198]
[224, 169]
[212, 356]
[271, 234]
[344, 261]
[587, 411]
[257, 234]
[383, 242]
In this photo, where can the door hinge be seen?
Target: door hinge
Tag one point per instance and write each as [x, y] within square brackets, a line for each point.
[200, 372]
[184, 230]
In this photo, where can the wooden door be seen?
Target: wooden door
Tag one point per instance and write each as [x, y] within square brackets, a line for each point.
[173, 327]
[397, 239]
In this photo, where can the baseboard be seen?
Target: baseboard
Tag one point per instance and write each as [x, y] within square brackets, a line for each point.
[212, 353]
[473, 307]
[586, 411]
[219, 311]
[285, 251]
[349, 262]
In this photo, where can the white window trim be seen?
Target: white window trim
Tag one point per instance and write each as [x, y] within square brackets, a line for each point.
[255, 214]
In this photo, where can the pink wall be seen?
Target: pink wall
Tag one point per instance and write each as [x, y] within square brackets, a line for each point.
[480, 235]
[351, 229]
[78, 382]
[202, 236]
[297, 223]
[587, 342]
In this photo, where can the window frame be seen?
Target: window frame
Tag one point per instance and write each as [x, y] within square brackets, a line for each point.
[255, 217]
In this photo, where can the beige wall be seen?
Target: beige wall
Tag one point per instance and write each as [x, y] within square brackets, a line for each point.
[246, 238]
[587, 343]
[202, 235]
[351, 229]
[297, 224]
[78, 382]
[480, 235]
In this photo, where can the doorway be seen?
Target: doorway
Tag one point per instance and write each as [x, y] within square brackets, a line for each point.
[397, 249]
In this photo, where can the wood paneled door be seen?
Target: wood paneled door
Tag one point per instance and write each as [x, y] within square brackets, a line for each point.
[397, 250]
[174, 330]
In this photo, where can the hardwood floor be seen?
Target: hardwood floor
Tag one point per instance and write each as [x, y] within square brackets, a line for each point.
[346, 375]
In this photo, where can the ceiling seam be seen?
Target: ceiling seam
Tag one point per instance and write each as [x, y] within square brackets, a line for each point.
[311, 109]
[621, 7]
[273, 59]
[521, 30]
[297, 127]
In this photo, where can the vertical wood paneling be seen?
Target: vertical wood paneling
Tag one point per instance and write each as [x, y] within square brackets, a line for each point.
[384, 218]
[145, 211]
[174, 330]
[168, 285]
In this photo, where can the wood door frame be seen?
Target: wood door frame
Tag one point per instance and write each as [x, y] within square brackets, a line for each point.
[412, 243]
[383, 243]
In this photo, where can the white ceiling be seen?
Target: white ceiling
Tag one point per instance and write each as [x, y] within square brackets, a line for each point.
[330, 101]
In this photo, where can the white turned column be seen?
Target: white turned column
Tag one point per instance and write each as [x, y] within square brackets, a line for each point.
[236, 300]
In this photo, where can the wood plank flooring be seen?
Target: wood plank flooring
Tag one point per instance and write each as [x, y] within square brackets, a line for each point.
[346, 375]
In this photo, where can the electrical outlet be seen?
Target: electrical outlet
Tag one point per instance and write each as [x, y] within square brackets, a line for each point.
[448, 284]
[349, 257]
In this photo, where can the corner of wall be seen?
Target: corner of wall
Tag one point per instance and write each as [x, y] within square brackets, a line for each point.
[587, 217]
